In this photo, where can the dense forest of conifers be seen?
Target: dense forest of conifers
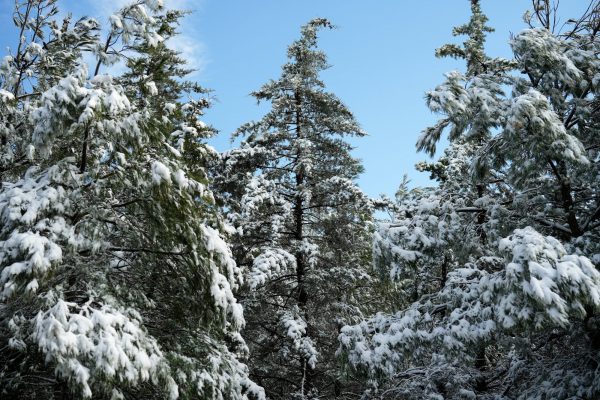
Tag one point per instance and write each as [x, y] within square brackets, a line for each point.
[136, 262]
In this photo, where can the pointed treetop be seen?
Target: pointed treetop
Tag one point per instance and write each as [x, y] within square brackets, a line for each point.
[309, 35]
[303, 52]
[472, 50]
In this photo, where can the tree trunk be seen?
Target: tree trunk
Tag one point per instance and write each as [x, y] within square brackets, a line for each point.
[299, 236]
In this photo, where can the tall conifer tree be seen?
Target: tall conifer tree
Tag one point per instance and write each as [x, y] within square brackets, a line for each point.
[501, 253]
[115, 282]
[302, 223]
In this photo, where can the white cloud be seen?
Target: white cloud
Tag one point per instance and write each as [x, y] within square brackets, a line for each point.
[187, 42]
[104, 9]
[191, 50]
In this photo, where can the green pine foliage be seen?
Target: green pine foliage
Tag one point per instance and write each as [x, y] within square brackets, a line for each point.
[303, 227]
[495, 264]
[136, 262]
[116, 281]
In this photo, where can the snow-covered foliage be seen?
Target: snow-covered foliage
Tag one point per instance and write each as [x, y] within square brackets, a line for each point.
[498, 294]
[115, 281]
[118, 281]
[303, 227]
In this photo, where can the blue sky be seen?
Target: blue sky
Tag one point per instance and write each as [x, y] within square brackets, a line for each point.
[382, 58]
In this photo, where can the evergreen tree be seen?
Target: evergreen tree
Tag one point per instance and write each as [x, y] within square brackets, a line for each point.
[303, 227]
[508, 232]
[115, 280]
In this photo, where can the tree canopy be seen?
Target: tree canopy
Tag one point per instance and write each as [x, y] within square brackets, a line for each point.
[137, 262]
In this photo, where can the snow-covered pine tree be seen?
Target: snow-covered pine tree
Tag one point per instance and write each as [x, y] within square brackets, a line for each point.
[517, 314]
[115, 281]
[303, 227]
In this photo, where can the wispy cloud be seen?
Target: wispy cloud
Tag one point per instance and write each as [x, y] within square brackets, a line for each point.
[187, 42]
[192, 50]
